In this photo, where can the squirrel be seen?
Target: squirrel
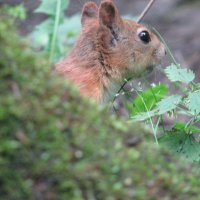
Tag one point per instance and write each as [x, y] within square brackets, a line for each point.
[108, 50]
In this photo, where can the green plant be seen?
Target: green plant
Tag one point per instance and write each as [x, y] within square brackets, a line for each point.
[55, 35]
[156, 104]
[17, 11]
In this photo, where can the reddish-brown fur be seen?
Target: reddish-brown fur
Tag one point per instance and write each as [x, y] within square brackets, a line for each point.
[107, 51]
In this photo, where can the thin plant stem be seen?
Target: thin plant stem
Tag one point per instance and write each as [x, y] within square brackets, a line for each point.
[167, 47]
[151, 2]
[157, 125]
[117, 94]
[150, 119]
[55, 31]
[154, 96]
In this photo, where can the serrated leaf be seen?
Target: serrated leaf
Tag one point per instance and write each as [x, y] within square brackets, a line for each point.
[168, 104]
[144, 115]
[175, 74]
[187, 129]
[193, 102]
[49, 7]
[179, 126]
[149, 97]
[183, 144]
[165, 105]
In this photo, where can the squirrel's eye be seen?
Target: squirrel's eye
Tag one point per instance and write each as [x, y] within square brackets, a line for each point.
[144, 36]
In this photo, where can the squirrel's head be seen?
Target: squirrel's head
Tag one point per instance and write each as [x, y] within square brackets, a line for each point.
[123, 44]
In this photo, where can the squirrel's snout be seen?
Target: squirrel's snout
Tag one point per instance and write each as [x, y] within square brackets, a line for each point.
[161, 51]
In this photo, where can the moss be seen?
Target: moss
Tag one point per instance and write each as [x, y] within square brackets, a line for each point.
[55, 144]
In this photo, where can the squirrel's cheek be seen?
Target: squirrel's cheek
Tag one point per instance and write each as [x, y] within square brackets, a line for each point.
[131, 61]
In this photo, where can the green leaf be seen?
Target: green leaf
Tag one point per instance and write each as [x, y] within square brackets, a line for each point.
[168, 104]
[193, 102]
[9, 145]
[69, 30]
[165, 105]
[49, 7]
[41, 34]
[179, 126]
[183, 144]
[197, 86]
[187, 129]
[46, 26]
[149, 97]
[17, 11]
[144, 115]
[175, 73]
[195, 129]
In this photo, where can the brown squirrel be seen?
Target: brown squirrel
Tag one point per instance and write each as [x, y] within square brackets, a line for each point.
[108, 50]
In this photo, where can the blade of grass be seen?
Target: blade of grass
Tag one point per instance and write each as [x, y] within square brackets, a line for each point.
[145, 11]
[150, 119]
[166, 46]
[54, 36]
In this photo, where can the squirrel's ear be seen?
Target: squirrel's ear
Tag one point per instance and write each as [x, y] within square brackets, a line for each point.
[108, 13]
[90, 11]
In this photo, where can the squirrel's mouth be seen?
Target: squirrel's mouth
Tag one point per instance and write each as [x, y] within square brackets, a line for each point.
[143, 71]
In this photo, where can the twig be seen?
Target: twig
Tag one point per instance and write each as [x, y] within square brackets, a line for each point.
[145, 10]
[121, 88]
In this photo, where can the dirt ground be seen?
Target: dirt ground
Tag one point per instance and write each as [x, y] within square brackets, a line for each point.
[178, 23]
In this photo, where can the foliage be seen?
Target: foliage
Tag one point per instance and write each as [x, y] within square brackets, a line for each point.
[186, 103]
[182, 143]
[176, 74]
[150, 97]
[57, 33]
[17, 11]
[55, 144]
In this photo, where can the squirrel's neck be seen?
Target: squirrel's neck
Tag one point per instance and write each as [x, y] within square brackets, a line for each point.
[93, 76]
[87, 67]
